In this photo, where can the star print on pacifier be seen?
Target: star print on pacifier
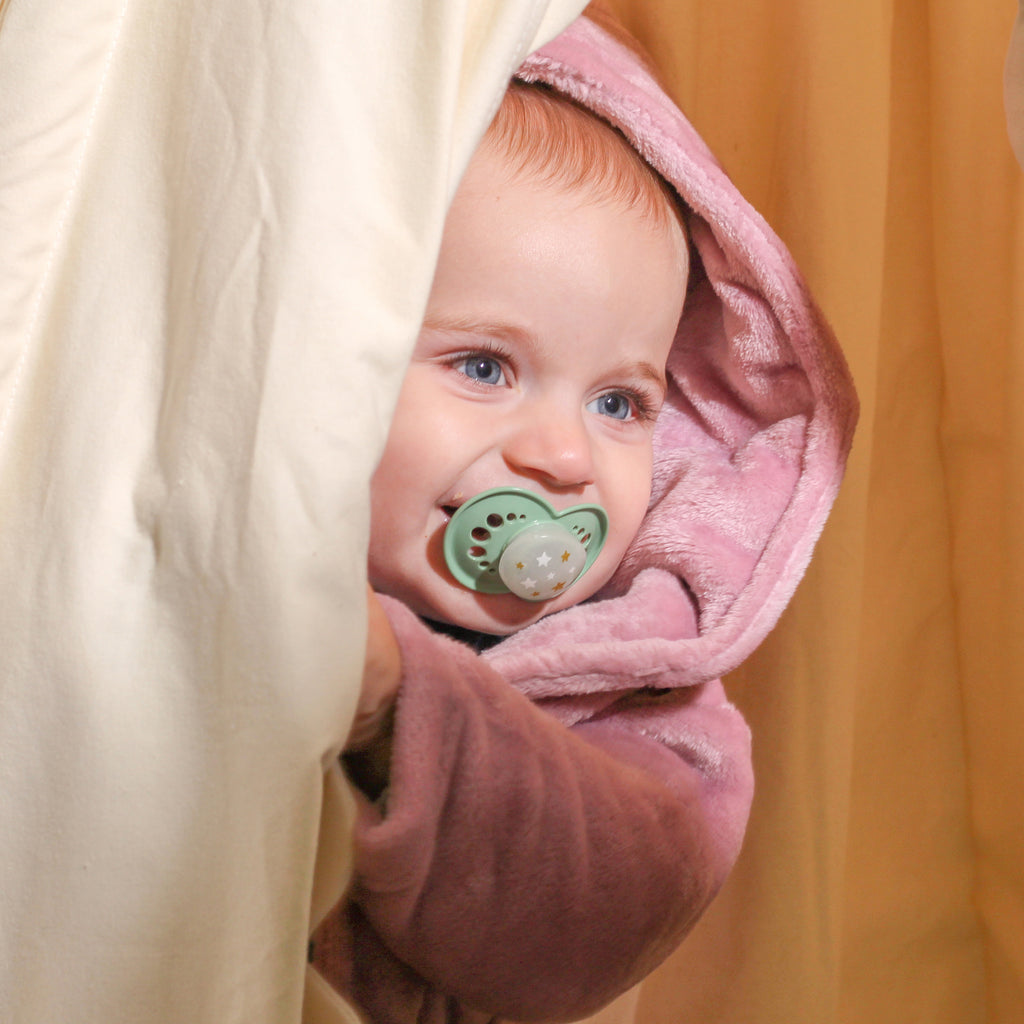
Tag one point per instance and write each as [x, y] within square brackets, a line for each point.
[510, 540]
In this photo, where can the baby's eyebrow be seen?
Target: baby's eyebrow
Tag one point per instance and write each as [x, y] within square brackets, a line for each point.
[505, 330]
[502, 329]
[647, 371]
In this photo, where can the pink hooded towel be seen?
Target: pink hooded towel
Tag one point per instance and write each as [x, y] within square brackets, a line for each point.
[564, 806]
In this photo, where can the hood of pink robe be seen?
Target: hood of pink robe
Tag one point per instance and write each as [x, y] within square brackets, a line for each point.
[750, 446]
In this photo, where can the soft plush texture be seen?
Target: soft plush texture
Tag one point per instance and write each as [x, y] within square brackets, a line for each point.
[752, 442]
[564, 806]
[527, 870]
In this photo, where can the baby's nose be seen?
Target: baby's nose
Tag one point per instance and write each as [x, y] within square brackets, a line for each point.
[553, 446]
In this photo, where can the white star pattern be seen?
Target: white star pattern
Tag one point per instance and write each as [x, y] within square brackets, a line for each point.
[536, 565]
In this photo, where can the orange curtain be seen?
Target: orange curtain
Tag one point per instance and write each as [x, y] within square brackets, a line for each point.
[883, 876]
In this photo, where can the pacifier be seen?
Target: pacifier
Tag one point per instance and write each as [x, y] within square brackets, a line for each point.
[510, 540]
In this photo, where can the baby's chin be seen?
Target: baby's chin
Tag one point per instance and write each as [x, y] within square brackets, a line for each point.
[494, 614]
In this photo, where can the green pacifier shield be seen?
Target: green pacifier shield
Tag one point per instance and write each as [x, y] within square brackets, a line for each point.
[509, 540]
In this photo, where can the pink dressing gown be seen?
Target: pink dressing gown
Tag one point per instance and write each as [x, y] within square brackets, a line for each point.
[564, 805]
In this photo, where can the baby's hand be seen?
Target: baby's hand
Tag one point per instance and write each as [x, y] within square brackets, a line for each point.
[382, 672]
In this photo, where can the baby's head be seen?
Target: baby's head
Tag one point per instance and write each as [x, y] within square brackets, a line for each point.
[541, 360]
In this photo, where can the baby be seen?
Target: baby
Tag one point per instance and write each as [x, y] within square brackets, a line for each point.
[541, 362]
[605, 472]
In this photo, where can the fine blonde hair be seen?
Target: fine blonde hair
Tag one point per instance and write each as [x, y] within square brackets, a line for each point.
[540, 131]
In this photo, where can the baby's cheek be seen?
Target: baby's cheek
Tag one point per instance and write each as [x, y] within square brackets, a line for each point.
[594, 579]
[635, 499]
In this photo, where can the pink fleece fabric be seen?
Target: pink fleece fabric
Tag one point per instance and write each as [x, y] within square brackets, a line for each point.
[563, 807]
[752, 442]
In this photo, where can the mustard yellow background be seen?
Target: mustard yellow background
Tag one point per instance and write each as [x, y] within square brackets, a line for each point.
[883, 876]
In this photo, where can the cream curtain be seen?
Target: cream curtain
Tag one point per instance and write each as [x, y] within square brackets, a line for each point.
[217, 231]
[883, 877]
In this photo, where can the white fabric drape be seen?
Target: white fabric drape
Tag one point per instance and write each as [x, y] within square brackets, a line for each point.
[217, 229]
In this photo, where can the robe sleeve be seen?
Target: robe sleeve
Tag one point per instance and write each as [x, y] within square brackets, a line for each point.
[526, 869]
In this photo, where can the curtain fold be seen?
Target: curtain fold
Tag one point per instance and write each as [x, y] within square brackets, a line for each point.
[882, 878]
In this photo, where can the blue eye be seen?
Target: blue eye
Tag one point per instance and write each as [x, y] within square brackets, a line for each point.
[614, 404]
[484, 369]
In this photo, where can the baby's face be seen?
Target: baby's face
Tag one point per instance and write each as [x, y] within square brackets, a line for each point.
[541, 364]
